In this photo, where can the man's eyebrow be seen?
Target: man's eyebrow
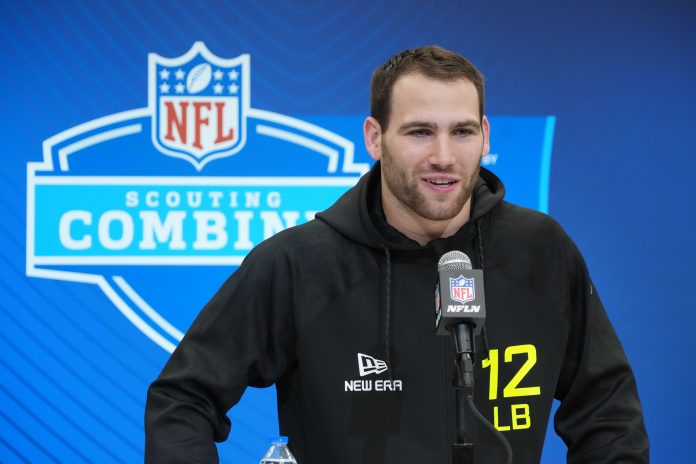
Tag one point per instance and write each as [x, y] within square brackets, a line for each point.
[472, 123]
[469, 123]
[417, 124]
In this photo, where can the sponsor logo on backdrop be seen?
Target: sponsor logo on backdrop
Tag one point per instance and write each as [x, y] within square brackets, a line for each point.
[147, 202]
[490, 159]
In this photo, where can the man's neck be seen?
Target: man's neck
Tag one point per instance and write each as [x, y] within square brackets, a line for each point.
[418, 228]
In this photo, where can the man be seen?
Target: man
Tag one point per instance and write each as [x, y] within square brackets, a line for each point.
[338, 313]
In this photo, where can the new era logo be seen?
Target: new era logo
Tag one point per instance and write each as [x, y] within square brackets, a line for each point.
[369, 365]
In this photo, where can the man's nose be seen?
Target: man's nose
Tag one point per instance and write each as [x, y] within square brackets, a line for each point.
[442, 154]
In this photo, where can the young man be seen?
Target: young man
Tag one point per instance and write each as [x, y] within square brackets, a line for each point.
[356, 284]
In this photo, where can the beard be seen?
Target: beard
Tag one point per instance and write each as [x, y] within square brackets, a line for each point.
[406, 188]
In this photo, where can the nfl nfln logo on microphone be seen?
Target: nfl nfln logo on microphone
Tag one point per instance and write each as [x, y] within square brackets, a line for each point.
[462, 289]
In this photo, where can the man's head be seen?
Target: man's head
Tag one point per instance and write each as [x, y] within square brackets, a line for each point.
[430, 140]
[431, 61]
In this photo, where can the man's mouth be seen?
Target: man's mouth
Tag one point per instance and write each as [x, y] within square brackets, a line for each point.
[441, 183]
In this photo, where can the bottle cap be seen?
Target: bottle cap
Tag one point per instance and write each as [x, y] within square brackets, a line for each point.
[279, 439]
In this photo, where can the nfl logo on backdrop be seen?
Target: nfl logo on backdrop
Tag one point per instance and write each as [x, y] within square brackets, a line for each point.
[138, 201]
[199, 104]
[462, 289]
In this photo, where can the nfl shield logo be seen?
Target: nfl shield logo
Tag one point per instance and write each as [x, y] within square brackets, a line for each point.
[462, 289]
[198, 103]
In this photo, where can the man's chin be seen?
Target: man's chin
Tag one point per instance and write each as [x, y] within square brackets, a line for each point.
[439, 212]
[438, 209]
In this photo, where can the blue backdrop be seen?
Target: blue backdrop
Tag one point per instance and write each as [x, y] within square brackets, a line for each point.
[592, 108]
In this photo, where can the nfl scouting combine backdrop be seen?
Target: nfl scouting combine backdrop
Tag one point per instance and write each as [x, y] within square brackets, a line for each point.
[144, 188]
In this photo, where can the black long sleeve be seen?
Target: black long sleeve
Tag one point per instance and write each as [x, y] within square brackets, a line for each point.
[600, 418]
[242, 337]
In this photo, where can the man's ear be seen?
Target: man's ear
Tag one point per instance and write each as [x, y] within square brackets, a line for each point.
[372, 132]
[486, 130]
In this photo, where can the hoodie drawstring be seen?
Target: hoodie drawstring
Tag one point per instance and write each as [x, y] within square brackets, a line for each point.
[479, 239]
[387, 314]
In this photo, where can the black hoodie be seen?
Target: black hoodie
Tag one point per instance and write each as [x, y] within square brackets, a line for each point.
[339, 313]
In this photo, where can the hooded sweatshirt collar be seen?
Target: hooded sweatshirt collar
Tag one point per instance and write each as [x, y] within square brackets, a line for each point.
[358, 214]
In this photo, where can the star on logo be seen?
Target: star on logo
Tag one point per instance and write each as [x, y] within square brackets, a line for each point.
[217, 75]
[233, 75]
[179, 74]
[179, 88]
[164, 87]
[218, 88]
[164, 74]
[233, 88]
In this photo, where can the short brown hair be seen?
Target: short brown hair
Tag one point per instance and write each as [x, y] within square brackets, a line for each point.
[431, 61]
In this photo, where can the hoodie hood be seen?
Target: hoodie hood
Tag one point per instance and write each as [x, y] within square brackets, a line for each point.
[359, 216]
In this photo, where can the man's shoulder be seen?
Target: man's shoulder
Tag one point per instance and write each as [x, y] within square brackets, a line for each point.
[311, 234]
[531, 248]
[511, 219]
[310, 252]
[299, 242]
[522, 231]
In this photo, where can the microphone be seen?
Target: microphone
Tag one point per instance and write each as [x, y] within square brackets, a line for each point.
[461, 313]
[459, 294]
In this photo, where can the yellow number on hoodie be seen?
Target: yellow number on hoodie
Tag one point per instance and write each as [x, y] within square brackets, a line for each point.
[511, 389]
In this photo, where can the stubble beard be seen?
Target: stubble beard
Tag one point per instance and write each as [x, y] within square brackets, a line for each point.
[407, 191]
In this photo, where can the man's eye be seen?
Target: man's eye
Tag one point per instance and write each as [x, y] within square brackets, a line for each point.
[464, 132]
[419, 133]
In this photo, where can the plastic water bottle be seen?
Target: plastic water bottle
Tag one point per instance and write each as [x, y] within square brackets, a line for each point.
[278, 452]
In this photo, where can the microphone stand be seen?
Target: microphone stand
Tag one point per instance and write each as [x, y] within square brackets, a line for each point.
[463, 382]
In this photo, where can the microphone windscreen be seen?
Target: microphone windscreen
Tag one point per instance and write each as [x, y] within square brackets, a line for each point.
[454, 261]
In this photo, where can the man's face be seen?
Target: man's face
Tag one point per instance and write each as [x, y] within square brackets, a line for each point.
[432, 148]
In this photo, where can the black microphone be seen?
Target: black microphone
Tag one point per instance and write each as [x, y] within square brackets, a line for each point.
[459, 295]
[461, 311]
